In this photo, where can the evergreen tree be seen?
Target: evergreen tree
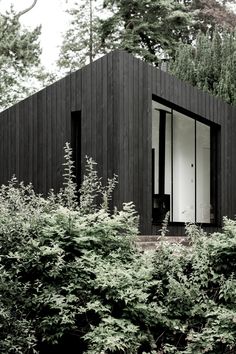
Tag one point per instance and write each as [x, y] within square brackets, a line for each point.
[150, 29]
[143, 27]
[81, 42]
[227, 80]
[19, 57]
[209, 64]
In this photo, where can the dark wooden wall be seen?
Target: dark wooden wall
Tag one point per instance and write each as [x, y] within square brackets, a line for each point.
[114, 97]
[32, 134]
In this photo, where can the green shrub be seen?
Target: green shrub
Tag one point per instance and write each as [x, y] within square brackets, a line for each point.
[72, 280]
[197, 289]
[53, 259]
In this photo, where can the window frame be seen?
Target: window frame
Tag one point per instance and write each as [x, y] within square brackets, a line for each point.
[215, 178]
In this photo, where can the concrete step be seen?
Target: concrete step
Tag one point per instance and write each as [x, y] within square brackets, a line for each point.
[150, 242]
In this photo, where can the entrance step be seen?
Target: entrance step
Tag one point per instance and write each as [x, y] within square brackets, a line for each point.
[150, 242]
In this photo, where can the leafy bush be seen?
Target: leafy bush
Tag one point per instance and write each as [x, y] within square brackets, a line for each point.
[52, 257]
[72, 280]
[197, 292]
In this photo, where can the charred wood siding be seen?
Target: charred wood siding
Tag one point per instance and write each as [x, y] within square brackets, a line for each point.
[113, 96]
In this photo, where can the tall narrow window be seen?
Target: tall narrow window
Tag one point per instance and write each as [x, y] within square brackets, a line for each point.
[183, 167]
[161, 160]
[203, 173]
[76, 145]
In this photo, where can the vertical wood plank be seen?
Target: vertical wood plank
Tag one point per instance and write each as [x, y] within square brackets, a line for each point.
[149, 155]
[49, 137]
[124, 129]
[39, 132]
[145, 146]
[98, 117]
[105, 104]
[59, 134]
[44, 150]
[140, 176]
[74, 91]
[233, 154]
[68, 109]
[110, 111]
[21, 142]
[131, 124]
[116, 141]
[63, 128]
[54, 136]
[136, 141]
[31, 142]
[94, 115]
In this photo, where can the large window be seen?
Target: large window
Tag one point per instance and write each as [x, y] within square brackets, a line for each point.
[183, 166]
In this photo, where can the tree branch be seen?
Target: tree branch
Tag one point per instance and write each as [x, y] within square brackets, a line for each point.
[27, 10]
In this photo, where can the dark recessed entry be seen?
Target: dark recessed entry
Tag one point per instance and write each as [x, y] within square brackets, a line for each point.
[76, 145]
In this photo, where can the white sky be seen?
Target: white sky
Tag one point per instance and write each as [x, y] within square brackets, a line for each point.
[51, 15]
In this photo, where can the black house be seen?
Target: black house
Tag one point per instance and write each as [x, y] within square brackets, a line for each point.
[171, 145]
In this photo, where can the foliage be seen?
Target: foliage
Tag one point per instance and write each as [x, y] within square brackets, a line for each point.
[72, 280]
[211, 15]
[21, 71]
[78, 47]
[209, 65]
[151, 30]
[19, 54]
[53, 260]
[196, 291]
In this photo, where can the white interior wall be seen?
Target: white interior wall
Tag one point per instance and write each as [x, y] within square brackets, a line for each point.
[183, 168]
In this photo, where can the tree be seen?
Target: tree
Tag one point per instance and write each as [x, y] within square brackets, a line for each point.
[153, 27]
[19, 57]
[212, 15]
[150, 29]
[209, 64]
[130, 25]
[81, 42]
